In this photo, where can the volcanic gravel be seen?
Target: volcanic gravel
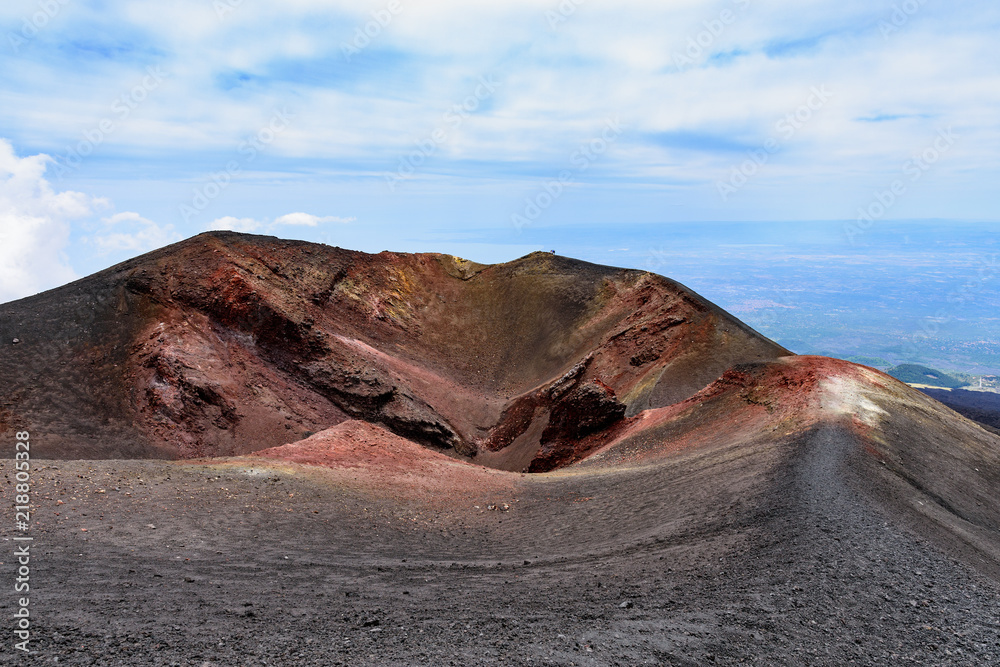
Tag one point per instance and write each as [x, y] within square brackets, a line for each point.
[773, 556]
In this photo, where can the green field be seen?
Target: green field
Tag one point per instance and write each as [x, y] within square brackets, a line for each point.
[917, 374]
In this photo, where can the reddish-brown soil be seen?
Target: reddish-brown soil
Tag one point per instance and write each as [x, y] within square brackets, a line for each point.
[228, 343]
[346, 436]
[366, 456]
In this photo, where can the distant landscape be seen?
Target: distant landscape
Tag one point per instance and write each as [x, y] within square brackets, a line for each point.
[549, 332]
[922, 376]
[329, 457]
[923, 293]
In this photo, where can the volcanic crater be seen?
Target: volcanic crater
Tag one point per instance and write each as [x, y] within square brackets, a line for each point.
[417, 458]
[228, 344]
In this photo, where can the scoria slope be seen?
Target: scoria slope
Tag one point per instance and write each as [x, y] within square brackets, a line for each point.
[229, 343]
[800, 511]
[703, 498]
[923, 463]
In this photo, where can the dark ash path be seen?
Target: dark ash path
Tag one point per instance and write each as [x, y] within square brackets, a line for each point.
[772, 557]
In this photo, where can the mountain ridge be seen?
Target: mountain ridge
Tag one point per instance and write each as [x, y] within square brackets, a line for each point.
[195, 345]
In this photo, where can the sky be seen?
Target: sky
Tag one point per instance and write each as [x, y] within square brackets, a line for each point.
[479, 128]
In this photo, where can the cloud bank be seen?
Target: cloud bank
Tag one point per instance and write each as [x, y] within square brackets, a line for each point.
[440, 116]
[36, 225]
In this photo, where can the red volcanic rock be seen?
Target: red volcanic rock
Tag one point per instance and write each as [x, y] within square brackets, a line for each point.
[331, 408]
[587, 409]
[227, 343]
[905, 439]
[370, 456]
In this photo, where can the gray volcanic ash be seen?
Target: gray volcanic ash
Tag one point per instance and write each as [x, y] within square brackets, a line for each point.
[346, 441]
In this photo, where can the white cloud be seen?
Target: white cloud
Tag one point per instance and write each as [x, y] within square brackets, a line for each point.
[36, 222]
[34, 226]
[308, 220]
[250, 225]
[129, 232]
[231, 224]
[560, 82]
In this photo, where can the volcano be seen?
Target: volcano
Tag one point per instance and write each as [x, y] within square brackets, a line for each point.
[227, 343]
[318, 456]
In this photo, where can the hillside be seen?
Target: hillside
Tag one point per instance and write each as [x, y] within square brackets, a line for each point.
[313, 456]
[917, 374]
[980, 406]
[226, 343]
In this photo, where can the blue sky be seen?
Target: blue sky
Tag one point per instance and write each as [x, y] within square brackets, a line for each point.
[459, 127]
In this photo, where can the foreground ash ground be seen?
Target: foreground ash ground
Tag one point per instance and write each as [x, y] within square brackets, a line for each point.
[253, 451]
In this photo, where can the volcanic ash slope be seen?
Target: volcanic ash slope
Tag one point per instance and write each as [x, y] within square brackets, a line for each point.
[227, 343]
[368, 422]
